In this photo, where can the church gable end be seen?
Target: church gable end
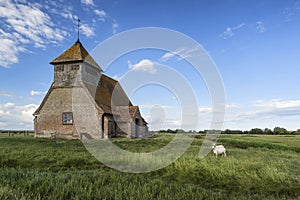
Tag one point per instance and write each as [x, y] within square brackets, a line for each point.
[76, 71]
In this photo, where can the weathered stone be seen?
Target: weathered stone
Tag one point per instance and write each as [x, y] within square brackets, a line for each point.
[83, 102]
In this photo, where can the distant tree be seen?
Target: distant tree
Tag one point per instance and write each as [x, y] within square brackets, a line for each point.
[164, 131]
[237, 132]
[170, 131]
[213, 131]
[256, 131]
[280, 131]
[179, 131]
[297, 132]
[227, 131]
[268, 131]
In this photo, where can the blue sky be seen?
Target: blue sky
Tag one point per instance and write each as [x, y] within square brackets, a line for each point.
[254, 44]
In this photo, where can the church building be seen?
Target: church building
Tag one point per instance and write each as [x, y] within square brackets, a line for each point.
[84, 102]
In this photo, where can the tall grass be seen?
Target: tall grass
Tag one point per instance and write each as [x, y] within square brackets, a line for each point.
[59, 169]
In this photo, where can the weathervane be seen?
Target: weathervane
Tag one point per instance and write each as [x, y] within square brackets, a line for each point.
[78, 20]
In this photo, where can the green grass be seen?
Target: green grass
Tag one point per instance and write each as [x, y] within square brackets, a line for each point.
[257, 167]
[281, 142]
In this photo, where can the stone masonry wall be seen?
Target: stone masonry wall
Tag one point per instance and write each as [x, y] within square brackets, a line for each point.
[50, 118]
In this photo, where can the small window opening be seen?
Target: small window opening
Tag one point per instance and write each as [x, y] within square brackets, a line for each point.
[74, 67]
[59, 68]
[67, 118]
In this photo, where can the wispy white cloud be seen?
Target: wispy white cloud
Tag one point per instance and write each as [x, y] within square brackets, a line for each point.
[31, 22]
[3, 111]
[173, 116]
[157, 117]
[261, 113]
[233, 105]
[36, 93]
[159, 121]
[101, 14]
[86, 30]
[205, 109]
[170, 55]
[264, 113]
[8, 105]
[227, 33]
[278, 104]
[260, 27]
[68, 15]
[60, 9]
[9, 48]
[25, 23]
[291, 11]
[115, 26]
[181, 54]
[17, 117]
[5, 93]
[3, 124]
[88, 2]
[145, 65]
[27, 111]
[230, 31]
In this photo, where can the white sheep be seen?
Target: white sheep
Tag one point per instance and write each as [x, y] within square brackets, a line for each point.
[219, 149]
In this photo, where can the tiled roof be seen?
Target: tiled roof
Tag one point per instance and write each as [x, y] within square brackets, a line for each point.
[111, 98]
[108, 93]
[132, 111]
[74, 54]
[126, 113]
[105, 90]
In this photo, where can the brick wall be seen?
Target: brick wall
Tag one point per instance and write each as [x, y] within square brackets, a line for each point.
[50, 118]
[68, 99]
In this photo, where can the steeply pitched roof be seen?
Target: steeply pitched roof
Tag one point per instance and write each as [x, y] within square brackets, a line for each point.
[108, 93]
[44, 101]
[125, 113]
[74, 54]
[120, 105]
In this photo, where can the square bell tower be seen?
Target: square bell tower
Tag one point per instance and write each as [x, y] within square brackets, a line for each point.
[74, 66]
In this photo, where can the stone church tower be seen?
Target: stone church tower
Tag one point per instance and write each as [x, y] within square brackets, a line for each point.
[82, 101]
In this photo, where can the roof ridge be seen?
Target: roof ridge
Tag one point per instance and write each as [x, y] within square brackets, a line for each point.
[81, 49]
[109, 77]
[76, 53]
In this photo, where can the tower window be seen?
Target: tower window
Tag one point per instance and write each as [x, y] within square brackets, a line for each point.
[74, 67]
[67, 118]
[59, 68]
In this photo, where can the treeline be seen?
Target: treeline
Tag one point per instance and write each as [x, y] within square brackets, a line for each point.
[266, 131]
[254, 131]
[16, 131]
[174, 131]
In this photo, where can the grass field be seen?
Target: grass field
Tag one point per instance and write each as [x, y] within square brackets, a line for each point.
[257, 167]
